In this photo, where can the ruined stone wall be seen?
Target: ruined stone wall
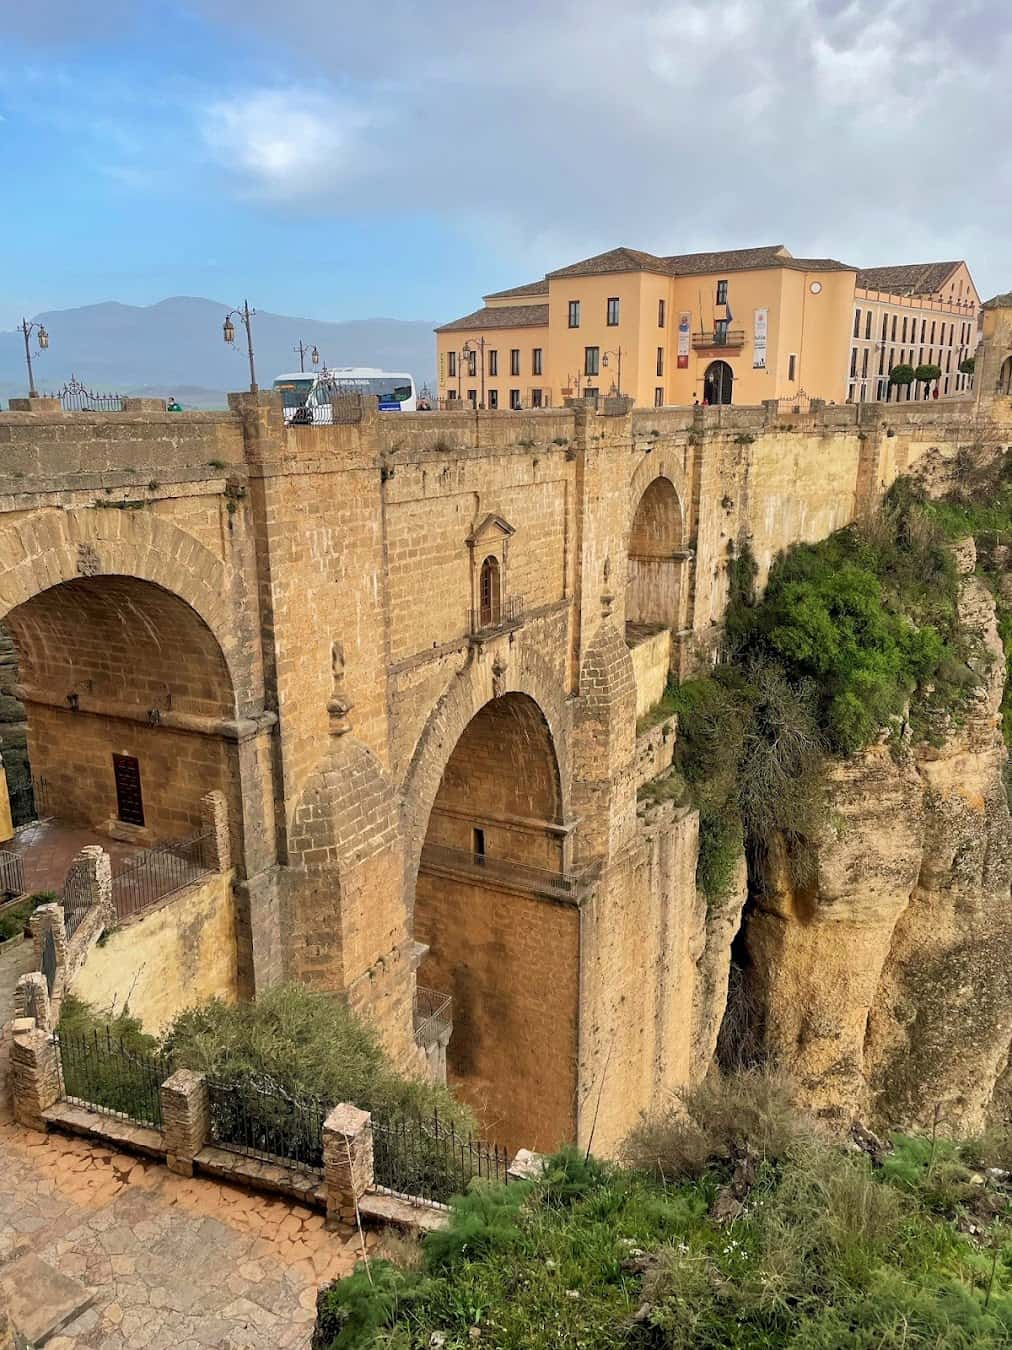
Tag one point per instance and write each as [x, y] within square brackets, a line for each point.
[168, 958]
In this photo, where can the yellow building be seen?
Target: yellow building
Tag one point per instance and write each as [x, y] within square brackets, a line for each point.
[744, 326]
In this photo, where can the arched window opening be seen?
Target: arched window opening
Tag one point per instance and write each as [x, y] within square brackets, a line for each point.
[490, 593]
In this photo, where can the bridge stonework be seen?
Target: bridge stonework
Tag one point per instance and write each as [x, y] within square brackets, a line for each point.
[425, 780]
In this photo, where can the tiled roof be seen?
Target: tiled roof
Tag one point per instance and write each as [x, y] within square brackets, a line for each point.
[615, 260]
[749, 259]
[907, 278]
[532, 288]
[509, 316]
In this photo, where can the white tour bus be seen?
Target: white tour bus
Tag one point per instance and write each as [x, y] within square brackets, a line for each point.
[307, 397]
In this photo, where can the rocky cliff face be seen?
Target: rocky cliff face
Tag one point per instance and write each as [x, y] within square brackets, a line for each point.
[886, 987]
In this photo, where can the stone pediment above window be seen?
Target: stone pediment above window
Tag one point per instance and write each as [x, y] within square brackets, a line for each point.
[491, 530]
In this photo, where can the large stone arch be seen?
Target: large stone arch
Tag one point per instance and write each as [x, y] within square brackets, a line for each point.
[44, 548]
[516, 668]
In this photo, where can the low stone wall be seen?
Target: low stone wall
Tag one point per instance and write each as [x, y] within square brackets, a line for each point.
[651, 660]
[655, 750]
[167, 958]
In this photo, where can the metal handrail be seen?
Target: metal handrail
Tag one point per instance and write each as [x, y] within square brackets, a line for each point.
[733, 337]
[12, 873]
[432, 1014]
[508, 612]
[504, 869]
[159, 872]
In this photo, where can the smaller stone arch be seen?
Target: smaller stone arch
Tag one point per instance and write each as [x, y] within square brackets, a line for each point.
[655, 554]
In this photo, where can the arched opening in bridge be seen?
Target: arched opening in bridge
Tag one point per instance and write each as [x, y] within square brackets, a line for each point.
[1005, 376]
[493, 906]
[490, 592]
[126, 701]
[653, 592]
[717, 383]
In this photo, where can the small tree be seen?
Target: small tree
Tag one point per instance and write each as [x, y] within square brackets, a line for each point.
[927, 374]
[967, 366]
[901, 375]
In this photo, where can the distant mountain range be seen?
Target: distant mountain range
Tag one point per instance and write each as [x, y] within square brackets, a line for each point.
[175, 347]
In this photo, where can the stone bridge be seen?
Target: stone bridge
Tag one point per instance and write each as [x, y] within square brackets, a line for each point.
[411, 651]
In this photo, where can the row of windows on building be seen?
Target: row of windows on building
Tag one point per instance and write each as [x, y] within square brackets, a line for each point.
[591, 362]
[878, 388]
[891, 326]
[613, 309]
[913, 358]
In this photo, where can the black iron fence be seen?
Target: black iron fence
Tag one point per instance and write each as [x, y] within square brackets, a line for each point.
[161, 871]
[257, 1117]
[77, 900]
[794, 403]
[425, 1158]
[502, 614]
[12, 874]
[29, 800]
[49, 959]
[99, 1071]
[76, 397]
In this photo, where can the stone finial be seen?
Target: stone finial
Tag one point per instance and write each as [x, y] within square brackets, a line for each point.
[35, 1072]
[347, 1161]
[214, 817]
[185, 1119]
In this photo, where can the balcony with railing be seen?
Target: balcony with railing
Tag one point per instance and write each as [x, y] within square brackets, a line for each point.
[482, 867]
[725, 338]
[497, 617]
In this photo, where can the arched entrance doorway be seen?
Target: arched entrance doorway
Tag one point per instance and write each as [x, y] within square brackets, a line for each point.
[491, 906]
[717, 383]
[125, 690]
[1005, 377]
[654, 566]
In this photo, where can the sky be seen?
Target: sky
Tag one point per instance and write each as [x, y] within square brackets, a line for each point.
[401, 159]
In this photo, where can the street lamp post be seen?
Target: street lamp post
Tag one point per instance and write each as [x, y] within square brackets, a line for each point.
[617, 353]
[43, 341]
[302, 349]
[477, 345]
[228, 330]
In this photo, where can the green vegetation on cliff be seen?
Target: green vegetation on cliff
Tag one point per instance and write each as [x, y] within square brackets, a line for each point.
[854, 637]
[737, 1225]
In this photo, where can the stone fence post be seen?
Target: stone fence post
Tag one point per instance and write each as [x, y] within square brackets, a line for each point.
[89, 881]
[31, 999]
[49, 919]
[214, 817]
[347, 1161]
[35, 1072]
[185, 1119]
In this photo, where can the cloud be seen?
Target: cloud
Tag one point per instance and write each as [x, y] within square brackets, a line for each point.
[855, 128]
[286, 143]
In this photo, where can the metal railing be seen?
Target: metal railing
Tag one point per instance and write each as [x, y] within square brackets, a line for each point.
[501, 869]
[12, 874]
[794, 403]
[76, 397]
[159, 872]
[77, 900]
[49, 959]
[422, 1158]
[491, 618]
[98, 1071]
[258, 1118]
[29, 801]
[433, 1016]
[731, 337]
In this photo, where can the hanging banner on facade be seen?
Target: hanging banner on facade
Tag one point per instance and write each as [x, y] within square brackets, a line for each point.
[759, 327]
[684, 332]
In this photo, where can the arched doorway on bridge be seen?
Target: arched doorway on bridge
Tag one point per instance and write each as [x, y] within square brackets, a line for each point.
[126, 693]
[1005, 377]
[717, 383]
[654, 562]
[492, 906]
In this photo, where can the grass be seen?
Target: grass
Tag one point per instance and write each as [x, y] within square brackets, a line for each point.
[827, 1251]
[14, 920]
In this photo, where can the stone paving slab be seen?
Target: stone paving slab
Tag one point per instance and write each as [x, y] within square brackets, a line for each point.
[174, 1262]
[41, 1300]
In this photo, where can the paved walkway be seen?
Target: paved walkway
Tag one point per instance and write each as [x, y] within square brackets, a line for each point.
[173, 1262]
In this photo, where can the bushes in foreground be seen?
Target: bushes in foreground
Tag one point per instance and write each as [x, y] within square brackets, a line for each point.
[827, 1250]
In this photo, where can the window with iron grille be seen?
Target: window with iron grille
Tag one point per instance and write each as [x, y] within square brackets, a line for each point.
[592, 360]
[514, 360]
[574, 313]
[612, 313]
